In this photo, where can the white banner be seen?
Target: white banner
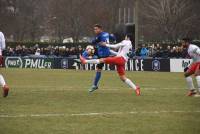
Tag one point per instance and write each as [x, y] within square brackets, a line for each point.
[178, 65]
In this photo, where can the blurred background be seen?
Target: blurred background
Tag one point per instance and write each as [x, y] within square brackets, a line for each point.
[156, 25]
[56, 20]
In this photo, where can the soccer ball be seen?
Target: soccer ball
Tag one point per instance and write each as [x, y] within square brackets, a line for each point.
[90, 49]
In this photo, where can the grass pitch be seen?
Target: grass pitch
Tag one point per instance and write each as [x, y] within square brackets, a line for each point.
[58, 102]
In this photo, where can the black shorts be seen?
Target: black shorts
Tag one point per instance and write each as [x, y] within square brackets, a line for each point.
[100, 66]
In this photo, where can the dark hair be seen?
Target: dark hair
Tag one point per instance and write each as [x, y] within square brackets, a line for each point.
[187, 40]
[130, 36]
[120, 37]
[98, 25]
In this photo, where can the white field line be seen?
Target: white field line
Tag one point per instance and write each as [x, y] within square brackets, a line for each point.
[92, 114]
[50, 88]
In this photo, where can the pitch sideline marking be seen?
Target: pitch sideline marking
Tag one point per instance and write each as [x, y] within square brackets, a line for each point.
[105, 88]
[91, 114]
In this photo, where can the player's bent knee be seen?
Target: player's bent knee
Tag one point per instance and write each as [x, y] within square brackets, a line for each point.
[122, 77]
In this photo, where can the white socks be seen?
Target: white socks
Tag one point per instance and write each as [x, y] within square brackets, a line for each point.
[94, 61]
[198, 82]
[189, 83]
[130, 83]
[2, 81]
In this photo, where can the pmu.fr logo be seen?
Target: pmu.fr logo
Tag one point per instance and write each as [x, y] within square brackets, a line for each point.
[156, 65]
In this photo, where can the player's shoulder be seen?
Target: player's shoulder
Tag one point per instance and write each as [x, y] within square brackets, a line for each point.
[127, 42]
[193, 46]
[104, 34]
[1, 33]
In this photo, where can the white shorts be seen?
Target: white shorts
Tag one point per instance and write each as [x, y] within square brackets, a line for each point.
[0, 52]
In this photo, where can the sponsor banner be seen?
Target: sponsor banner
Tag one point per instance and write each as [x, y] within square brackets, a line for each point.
[132, 65]
[178, 65]
[13, 62]
[38, 63]
[18, 62]
[69, 63]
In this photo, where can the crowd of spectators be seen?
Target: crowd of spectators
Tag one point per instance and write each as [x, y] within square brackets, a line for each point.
[145, 51]
[164, 51]
[50, 51]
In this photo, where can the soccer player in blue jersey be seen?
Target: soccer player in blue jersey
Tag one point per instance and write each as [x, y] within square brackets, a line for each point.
[102, 51]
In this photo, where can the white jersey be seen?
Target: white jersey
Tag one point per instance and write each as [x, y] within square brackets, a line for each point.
[124, 48]
[194, 52]
[2, 43]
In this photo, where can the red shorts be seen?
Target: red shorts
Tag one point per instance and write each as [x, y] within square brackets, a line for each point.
[194, 67]
[119, 62]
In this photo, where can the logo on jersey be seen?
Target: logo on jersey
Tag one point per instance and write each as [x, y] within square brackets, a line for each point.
[64, 63]
[13, 62]
[156, 65]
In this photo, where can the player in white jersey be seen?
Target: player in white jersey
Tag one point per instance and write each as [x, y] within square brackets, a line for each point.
[194, 68]
[2, 81]
[119, 60]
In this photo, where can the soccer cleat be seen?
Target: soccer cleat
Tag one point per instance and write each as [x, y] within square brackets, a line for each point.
[197, 95]
[82, 59]
[191, 93]
[137, 91]
[93, 88]
[5, 91]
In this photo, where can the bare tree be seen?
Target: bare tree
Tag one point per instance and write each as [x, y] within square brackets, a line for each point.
[159, 19]
[172, 19]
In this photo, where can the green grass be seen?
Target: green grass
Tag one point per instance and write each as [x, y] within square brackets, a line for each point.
[66, 92]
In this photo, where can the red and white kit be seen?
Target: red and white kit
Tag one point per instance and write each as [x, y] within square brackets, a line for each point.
[119, 60]
[2, 46]
[2, 81]
[121, 56]
[194, 53]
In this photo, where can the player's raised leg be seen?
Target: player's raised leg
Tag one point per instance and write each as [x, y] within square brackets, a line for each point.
[92, 61]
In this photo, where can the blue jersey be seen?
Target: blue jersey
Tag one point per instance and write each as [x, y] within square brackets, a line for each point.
[102, 51]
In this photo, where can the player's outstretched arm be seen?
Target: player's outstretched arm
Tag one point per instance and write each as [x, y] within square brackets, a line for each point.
[113, 52]
[112, 45]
